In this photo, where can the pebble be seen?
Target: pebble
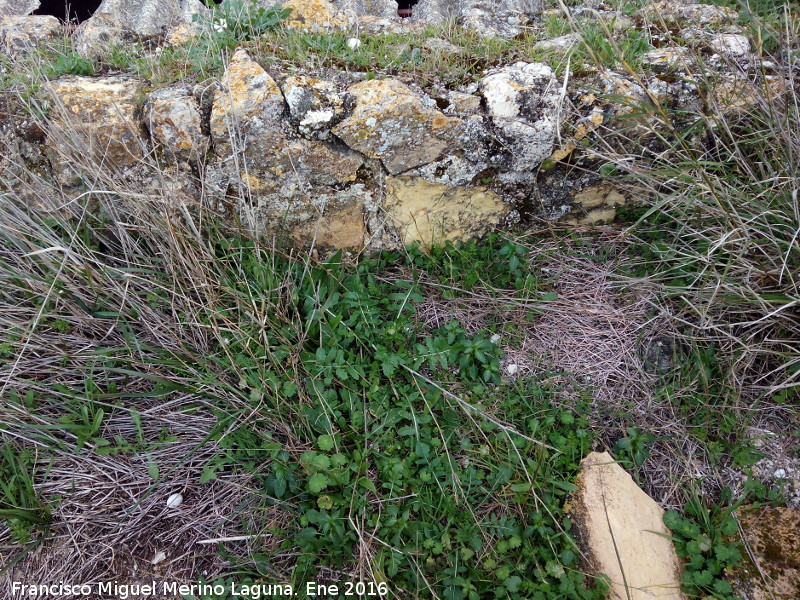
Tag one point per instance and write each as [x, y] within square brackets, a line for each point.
[174, 501]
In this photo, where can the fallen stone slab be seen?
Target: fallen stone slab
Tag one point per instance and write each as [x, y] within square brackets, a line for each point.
[622, 534]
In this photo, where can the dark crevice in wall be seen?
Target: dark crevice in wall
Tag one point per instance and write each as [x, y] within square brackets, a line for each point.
[405, 7]
[68, 10]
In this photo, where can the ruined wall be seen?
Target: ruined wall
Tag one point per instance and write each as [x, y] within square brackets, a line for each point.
[344, 161]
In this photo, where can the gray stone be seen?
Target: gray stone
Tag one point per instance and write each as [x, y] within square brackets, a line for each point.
[98, 35]
[562, 42]
[461, 103]
[730, 44]
[117, 22]
[503, 18]
[10, 8]
[148, 17]
[490, 17]
[524, 103]
[379, 8]
[20, 35]
[394, 124]
[314, 105]
[671, 13]
[173, 119]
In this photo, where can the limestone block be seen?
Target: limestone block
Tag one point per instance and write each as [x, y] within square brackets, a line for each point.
[97, 35]
[149, 17]
[314, 15]
[622, 532]
[730, 44]
[386, 9]
[668, 59]
[315, 105]
[429, 213]
[20, 35]
[392, 123]
[173, 119]
[524, 102]
[12, 8]
[677, 13]
[501, 18]
[560, 43]
[504, 18]
[340, 225]
[95, 124]
[305, 187]
[252, 132]
[248, 107]
[119, 21]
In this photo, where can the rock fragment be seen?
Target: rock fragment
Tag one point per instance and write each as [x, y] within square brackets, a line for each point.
[94, 125]
[524, 102]
[392, 123]
[20, 35]
[622, 532]
[173, 119]
[429, 213]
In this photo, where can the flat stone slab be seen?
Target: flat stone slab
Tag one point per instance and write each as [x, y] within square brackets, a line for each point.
[622, 533]
[773, 536]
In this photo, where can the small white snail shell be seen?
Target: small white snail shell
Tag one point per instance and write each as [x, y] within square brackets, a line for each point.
[174, 501]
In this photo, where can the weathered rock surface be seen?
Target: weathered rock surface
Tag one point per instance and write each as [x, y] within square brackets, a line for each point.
[395, 125]
[382, 161]
[504, 18]
[173, 119]
[428, 213]
[315, 105]
[672, 13]
[10, 8]
[119, 21]
[314, 15]
[20, 35]
[386, 9]
[562, 42]
[773, 535]
[96, 125]
[730, 44]
[149, 17]
[248, 107]
[287, 181]
[622, 532]
[98, 35]
[524, 101]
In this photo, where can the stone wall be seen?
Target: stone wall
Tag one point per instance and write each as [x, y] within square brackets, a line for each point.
[347, 161]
